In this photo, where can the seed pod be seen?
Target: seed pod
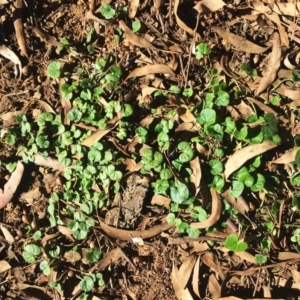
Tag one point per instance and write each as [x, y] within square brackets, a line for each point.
[25, 219]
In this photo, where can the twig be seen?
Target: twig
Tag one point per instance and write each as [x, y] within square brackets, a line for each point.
[185, 240]
[190, 54]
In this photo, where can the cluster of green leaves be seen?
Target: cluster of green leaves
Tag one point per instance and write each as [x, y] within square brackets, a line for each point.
[84, 166]
[54, 257]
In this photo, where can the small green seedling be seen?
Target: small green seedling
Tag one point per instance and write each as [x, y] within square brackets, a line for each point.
[246, 67]
[30, 252]
[107, 11]
[260, 258]
[53, 69]
[232, 243]
[201, 50]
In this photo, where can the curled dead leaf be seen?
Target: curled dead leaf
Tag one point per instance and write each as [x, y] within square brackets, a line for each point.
[236, 160]
[126, 235]
[9, 54]
[215, 212]
[181, 24]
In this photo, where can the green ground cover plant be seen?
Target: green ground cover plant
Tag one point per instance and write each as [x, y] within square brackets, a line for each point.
[167, 155]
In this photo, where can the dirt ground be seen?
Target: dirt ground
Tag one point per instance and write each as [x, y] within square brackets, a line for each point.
[143, 257]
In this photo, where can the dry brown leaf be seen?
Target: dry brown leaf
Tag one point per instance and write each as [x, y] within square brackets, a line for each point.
[133, 38]
[239, 204]
[182, 294]
[97, 136]
[126, 235]
[285, 8]
[286, 91]
[72, 256]
[272, 67]
[11, 186]
[185, 270]
[47, 162]
[196, 173]
[283, 34]
[185, 115]
[262, 106]
[46, 106]
[196, 276]
[237, 160]
[238, 42]
[110, 257]
[4, 266]
[205, 7]
[287, 157]
[90, 16]
[288, 255]
[7, 235]
[296, 278]
[244, 255]
[181, 24]
[213, 286]
[150, 69]
[211, 260]
[187, 127]
[65, 103]
[215, 212]
[133, 7]
[161, 200]
[19, 28]
[9, 54]
[66, 231]
[244, 109]
[49, 237]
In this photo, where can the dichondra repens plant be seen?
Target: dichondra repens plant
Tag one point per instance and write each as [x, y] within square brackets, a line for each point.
[99, 124]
